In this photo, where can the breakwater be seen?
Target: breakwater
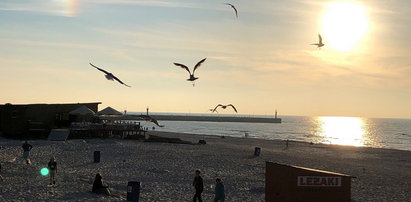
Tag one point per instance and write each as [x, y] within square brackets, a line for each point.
[216, 118]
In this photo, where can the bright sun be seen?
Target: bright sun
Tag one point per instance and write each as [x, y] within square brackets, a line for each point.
[344, 24]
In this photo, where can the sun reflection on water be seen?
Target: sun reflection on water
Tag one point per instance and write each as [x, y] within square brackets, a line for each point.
[342, 130]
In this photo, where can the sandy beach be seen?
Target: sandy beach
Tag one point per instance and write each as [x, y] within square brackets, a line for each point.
[166, 170]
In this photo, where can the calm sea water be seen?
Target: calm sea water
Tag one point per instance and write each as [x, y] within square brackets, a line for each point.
[355, 131]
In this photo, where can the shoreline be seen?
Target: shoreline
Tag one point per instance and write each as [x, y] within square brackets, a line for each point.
[166, 170]
[177, 134]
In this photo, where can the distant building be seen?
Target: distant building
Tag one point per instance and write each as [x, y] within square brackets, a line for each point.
[36, 120]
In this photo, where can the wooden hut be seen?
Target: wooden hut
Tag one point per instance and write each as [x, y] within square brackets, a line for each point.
[36, 120]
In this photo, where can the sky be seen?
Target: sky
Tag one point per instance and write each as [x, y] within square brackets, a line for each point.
[260, 62]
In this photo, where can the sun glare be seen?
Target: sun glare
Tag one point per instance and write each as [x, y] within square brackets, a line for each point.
[69, 7]
[342, 130]
[344, 24]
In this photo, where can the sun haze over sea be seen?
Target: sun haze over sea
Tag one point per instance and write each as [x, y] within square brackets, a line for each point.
[260, 61]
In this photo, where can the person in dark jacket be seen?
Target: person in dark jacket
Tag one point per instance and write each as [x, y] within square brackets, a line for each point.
[52, 166]
[26, 151]
[219, 190]
[99, 187]
[198, 185]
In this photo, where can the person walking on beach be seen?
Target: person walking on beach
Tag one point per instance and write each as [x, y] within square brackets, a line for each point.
[198, 185]
[1, 177]
[99, 187]
[52, 166]
[219, 190]
[26, 151]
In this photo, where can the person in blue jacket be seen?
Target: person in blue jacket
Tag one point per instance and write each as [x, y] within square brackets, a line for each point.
[219, 190]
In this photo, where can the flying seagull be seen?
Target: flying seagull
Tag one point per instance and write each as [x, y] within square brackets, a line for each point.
[236, 13]
[403, 134]
[109, 76]
[192, 78]
[149, 119]
[320, 42]
[224, 107]
[213, 110]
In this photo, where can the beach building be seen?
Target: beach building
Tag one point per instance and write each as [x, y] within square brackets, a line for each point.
[294, 183]
[36, 120]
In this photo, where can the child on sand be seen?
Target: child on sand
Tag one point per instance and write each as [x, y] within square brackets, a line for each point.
[52, 166]
[26, 151]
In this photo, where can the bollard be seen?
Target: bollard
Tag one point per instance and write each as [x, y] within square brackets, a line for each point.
[257, 151]
[96, 156]
[133, 191]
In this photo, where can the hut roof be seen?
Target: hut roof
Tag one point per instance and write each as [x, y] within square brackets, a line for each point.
[83, 110]
[109, 111]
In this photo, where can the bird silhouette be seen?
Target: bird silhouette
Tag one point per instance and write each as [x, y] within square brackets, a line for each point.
[320, 42]
[232, 6]
[212, 110]
[403, 134]
[224, 107]
[109, 76]
[192, 77]
[149, 119]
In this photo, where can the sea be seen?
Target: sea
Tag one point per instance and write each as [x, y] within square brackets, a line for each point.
[354, 131]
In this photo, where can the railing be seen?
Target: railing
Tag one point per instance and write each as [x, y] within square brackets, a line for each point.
[104, 130]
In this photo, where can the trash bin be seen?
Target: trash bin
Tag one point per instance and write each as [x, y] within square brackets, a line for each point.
[257, 151]
[96, 156]
[133, 191]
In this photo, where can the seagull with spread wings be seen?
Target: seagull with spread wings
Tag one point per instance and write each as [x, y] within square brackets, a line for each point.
[224, 107]
[109, 76]
[149, 119]
[232, 6]
[320, 42]
[192, 77]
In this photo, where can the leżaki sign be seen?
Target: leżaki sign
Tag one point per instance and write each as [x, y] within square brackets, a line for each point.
[290, 183]
[318, 181]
